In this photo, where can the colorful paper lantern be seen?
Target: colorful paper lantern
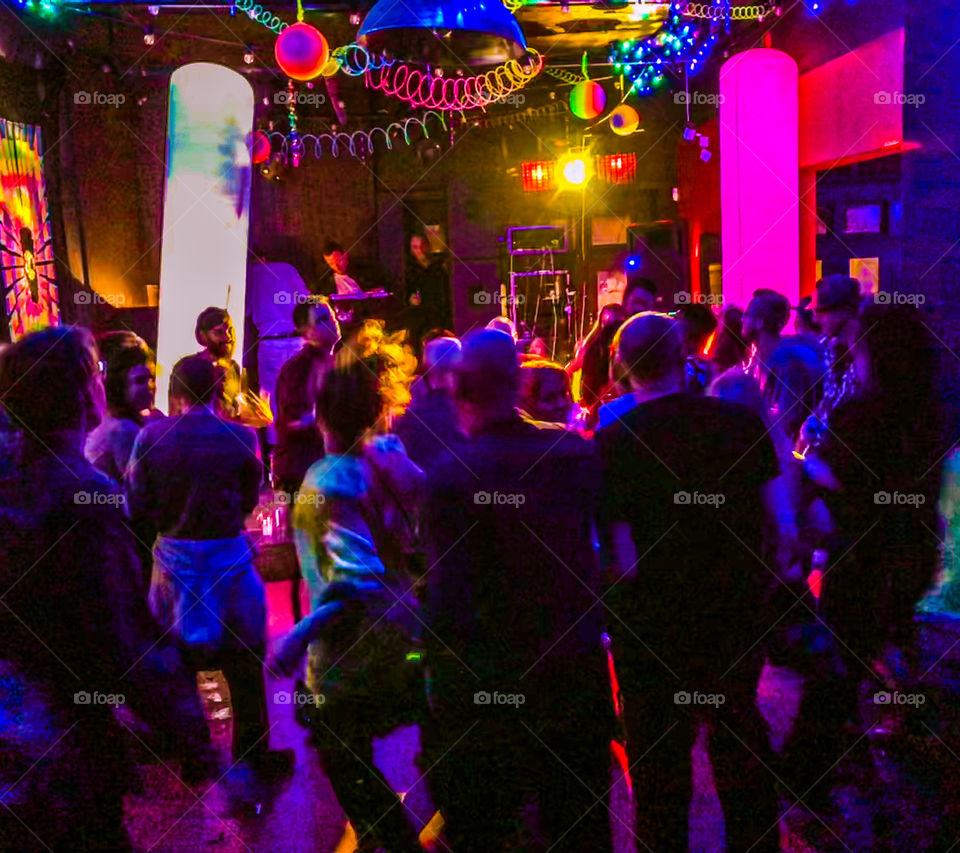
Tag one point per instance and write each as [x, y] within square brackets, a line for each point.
[301, 51]
[624, 120]
[587, 100]
[259, 147]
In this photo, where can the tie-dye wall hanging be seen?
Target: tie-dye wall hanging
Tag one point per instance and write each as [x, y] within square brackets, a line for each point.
[30, 298]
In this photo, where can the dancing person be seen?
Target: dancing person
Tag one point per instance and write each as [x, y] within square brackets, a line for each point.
[194, 478]
[763, 324]
[593, 356]
[878, 468]
[428, 428]
[299, 442]
[684, 482]
[835, 312]
[356, 531]
[130, 387]
[518, 674]
[729, 348]
[697, 324]
[76, 638]
[273, 290]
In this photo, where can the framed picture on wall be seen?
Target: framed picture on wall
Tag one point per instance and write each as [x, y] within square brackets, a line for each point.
[867, 272]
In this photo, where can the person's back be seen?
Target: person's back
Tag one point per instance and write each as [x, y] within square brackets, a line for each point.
[515, 630]
[685, 472]
[516, 508]
[682, 518]
[72, 607]
[196, 476]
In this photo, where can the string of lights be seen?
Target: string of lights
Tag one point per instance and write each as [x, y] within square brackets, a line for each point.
[435, 92]
[646, 62]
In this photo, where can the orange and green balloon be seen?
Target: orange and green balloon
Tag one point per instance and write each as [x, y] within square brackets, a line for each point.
[587, 100]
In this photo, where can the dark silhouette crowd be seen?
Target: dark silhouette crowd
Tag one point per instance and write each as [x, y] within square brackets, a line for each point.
[544, 566]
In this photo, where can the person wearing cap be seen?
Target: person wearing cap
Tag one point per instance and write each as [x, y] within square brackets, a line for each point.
[763, 323]
[428, 428]
[519, 686]
[835, 311]
[805, 323]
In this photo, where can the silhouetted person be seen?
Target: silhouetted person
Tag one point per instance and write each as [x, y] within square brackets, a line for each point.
[194, 478]
[682, 522]
[76, 638]
[426, 290]
[519, 687]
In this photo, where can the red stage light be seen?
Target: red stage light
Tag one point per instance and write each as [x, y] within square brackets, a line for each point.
[537, 175]
[617, 168]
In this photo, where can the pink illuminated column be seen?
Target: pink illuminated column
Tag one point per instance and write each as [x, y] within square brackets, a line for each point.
[759, 174]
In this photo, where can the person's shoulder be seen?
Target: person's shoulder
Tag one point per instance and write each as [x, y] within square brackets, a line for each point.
[152, 431]
[246, 434]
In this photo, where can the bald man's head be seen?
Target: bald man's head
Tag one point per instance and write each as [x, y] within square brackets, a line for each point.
[487, 373]
[649, 348]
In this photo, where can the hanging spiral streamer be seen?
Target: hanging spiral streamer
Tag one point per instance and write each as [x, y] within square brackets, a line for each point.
[360, 143]
[262, 16]
[356, 61]
[709, 12]
[422, 89]
[565, 76]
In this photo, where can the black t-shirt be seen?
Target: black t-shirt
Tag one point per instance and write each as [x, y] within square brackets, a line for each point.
[685, 472]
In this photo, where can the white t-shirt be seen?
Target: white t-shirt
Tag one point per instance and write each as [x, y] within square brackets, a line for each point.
[345, 284]
[273, 290]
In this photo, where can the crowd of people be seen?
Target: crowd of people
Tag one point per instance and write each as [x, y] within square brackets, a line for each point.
[533, 561]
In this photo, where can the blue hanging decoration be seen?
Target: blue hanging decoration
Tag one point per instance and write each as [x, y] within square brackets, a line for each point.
[679, 41]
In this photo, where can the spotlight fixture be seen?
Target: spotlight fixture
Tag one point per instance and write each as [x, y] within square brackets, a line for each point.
[575, 168]
[149, 37]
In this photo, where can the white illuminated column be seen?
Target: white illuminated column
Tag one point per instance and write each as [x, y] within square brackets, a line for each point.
[206, 208]
[759, 175]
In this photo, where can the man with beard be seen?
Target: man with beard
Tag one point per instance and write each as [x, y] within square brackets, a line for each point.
[216, 334]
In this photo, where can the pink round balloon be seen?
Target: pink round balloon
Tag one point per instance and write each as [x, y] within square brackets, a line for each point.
[301, 51]
[260, 147]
